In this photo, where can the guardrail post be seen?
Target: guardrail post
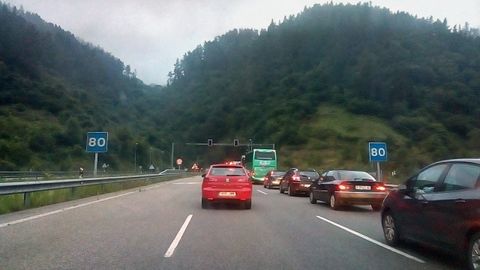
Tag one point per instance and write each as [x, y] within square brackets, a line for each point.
[26, 199]
[72, 192]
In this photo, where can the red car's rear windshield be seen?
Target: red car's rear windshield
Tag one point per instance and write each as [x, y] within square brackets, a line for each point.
[227, 171]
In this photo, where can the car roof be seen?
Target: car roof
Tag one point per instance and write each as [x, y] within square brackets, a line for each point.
[226, 165]
[470, 160]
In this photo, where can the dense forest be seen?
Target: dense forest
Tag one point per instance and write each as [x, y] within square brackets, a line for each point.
[54, 89]
[416, 82]
[319, 85]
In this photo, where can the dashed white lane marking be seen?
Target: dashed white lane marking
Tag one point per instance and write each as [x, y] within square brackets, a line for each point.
[186, 183]
[263, 192]
[177, 239]
[62, 210]
[372, 240]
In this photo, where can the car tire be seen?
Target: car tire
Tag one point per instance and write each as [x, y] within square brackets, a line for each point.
[312, 198]
[205, 203]
[280, 189]
[290, 191]
[264, 186]
[473, 253]
[390, 229]
[269, 186]
[376, 207]
[247, 204]
[333, 202]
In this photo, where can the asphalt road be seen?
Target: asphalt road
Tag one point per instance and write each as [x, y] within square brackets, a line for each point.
[137, 230]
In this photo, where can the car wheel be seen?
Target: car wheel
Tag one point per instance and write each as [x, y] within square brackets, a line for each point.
[290, 191]
[205, 203]
[390, 229]
[473, 255]
[376, 207]
[264, 186]
[280, 189]
[269, 186]
[247, 204]
[333, 202]
[312, 199]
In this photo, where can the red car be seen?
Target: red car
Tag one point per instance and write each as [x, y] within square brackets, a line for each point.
[296, 181]
[224, 182]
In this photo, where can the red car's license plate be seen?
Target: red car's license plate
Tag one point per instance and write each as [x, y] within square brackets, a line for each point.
[227, 194]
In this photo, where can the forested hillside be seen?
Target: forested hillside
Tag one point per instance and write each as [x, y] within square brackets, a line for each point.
[54, 88]
[319, 85]
[418, 78]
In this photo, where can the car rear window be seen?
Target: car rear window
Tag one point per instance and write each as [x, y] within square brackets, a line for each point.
[310, 174]
[355, 176]
[276, 174]
[265, 155]
[227, 171]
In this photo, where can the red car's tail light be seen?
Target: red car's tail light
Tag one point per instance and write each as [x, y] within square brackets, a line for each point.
[296, 178]
[380, 188]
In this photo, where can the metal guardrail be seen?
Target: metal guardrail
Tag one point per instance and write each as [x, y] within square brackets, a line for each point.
[391, 186]
[27, 187]
[14, 176]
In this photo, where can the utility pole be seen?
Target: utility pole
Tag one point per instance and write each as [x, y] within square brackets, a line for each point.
[135, 158]
[171, 157]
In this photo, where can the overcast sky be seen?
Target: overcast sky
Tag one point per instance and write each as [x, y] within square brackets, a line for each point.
[150, 35]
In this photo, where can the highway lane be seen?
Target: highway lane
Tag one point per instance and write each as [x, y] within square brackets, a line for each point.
[135, 230]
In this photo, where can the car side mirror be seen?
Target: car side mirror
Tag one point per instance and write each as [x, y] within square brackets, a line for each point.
[203, 175]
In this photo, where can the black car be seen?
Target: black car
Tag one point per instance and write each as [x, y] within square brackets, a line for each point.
[345, 187]
[439, 206]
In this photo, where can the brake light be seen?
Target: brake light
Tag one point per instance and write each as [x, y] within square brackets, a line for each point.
[206, 179]
[296, 178]
[380, 188]
[344, 186]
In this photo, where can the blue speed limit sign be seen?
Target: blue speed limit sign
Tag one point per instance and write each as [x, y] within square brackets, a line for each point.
[97, 142]
[377, 151]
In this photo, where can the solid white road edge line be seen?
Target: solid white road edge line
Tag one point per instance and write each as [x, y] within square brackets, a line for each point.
[263, 192]
[177, 239]
[372, 240]
[61, 210]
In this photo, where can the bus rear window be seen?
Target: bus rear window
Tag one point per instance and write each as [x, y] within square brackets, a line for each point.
[265, 155]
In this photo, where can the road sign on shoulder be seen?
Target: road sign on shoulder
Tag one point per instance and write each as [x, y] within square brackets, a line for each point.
[179, 161]
[377, 151]
[97, 142]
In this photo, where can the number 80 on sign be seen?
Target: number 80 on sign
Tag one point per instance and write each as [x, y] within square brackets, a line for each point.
[377, 151]
[97, 142]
